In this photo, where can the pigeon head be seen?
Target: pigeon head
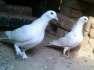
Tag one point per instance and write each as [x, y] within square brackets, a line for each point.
[51, 15]
[84, 19]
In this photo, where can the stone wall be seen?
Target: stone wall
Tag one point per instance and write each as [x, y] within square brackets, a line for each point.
[77, 8]
[14, 10]
[71, 8]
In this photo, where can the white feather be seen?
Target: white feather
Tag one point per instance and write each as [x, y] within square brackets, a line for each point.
[73, 38]
[33, 33]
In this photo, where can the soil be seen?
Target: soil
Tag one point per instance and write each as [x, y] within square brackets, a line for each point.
[42, 58]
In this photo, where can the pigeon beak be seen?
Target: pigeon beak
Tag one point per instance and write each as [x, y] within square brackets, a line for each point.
[56, 18]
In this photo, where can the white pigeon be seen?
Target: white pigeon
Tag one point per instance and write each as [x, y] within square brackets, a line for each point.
[73, 38]
[31, 34]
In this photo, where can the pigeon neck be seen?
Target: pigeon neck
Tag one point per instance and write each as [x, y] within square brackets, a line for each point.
[79, 26]
[45, 20]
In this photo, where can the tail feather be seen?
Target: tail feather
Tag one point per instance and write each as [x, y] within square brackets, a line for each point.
[4, 38]
[8, 34]
[56, 43]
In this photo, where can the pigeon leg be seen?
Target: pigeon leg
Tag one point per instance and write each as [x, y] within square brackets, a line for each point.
[17, 49]
[24, 56]
[65, 50]
[19, 52]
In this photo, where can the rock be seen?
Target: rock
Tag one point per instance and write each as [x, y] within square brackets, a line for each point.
[92, 33]
[85, 49]
[90, 27]
[66, 23]
[91, 42]
[91, 22]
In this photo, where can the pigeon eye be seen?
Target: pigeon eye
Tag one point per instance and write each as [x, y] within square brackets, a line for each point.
[52, 13]
[85, 19]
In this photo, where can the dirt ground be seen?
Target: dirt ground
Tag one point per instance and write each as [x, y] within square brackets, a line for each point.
[42, 58]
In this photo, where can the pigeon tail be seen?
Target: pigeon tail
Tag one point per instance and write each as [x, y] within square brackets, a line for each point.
[8, 34]
[56, 43]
